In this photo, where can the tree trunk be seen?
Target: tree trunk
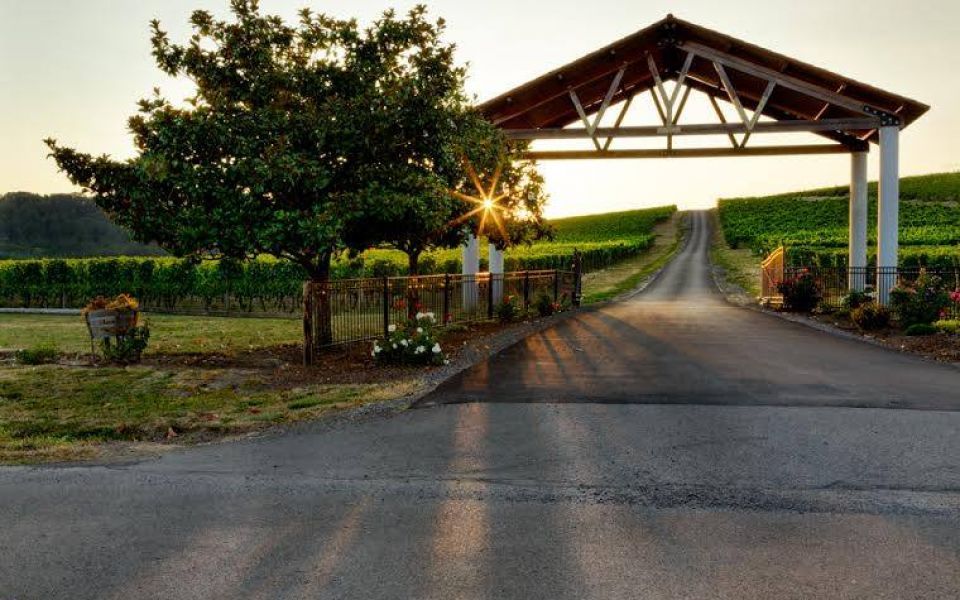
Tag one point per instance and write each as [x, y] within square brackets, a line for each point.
[413, 297]
[317, 308]
[413, 263]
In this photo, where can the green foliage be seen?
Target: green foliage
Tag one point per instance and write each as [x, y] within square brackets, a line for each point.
[855, 299]
[623, 225]
[813, 224]
[936, 187]
[951, 326]
[762, 224]
[39, 355]
[800, 292]
[870, 316]
[923, 302]
[545, 305]
[128, 347]
[921, 329]
[509, 310]
[275, 285]
[64, 225]
[412, 343]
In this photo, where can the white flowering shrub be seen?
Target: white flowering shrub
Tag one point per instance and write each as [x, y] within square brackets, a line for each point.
[413, 343]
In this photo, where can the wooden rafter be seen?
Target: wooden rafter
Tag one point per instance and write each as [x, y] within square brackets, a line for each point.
[791, 83]
[763, 127]
[689, 152]
[592, 126]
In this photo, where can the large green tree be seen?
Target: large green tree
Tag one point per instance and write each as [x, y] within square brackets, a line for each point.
[301, 141]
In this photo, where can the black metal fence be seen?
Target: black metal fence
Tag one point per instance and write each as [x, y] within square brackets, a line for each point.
[350, 310]
[836, 282]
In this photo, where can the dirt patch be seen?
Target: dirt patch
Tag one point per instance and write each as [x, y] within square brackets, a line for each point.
[280, 366]
[941, 347]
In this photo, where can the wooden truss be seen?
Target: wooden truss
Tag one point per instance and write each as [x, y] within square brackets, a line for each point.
[670, 106]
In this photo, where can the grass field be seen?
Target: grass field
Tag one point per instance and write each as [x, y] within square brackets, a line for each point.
[169, 334]
[813, 224]
[53, 412]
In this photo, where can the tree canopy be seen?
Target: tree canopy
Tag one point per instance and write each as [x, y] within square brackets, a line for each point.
[306, 140]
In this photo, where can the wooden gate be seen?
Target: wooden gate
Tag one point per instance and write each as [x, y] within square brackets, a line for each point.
[771, 274]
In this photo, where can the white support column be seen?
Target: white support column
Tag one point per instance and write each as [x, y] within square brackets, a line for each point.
[857, 253]
[888, 209]
[470, 268]
[495, 260]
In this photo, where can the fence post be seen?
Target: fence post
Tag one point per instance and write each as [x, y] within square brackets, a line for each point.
[446, 298]
[490, 296]
[526, 290]
[577, 277]
[386, 307]
[307, 324]
[556, 285]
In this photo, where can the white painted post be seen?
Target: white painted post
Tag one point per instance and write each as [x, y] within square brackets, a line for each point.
[888, 210]
[470, 268]
[495, 260]
[857, 252]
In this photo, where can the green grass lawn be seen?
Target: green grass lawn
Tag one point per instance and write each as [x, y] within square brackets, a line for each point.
[169, 334]
[54, 412]
[741, 266]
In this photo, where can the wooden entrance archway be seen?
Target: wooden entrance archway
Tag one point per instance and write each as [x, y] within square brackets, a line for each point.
[757, 82]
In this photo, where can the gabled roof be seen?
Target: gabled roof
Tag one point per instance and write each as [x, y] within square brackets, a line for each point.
[545, 101]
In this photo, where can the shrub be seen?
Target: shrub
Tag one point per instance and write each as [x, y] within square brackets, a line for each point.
[412, 343]
[39, 355]
[546, 306]
[951, 326]
[509, 311]
[923, 303]
[921, 329]
[800, 293]
[870, 316]
[855, 299]
[128, 347]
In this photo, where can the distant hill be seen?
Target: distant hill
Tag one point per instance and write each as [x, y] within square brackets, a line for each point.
[61, 225]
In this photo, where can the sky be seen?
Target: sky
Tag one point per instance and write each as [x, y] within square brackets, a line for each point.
[74, 69]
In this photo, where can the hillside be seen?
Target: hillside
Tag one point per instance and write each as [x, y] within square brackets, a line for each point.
[60, 225]
[812, 224]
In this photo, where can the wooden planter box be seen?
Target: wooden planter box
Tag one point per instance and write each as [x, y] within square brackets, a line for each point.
[108, 323]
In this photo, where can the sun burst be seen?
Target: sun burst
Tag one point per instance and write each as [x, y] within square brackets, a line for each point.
[487, 201]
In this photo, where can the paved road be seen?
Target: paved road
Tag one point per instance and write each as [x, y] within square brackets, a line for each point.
[722, 454]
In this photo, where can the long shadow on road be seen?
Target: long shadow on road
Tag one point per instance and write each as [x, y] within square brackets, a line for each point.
[678, 342]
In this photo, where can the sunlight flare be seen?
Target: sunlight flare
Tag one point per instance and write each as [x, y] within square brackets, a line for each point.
[486, 201]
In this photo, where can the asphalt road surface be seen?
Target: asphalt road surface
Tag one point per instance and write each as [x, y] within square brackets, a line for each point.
[668, 446]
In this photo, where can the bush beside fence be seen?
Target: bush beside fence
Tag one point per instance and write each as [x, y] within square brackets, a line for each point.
[834, 282]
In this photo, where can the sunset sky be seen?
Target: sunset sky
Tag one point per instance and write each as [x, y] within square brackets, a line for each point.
[73, 69]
